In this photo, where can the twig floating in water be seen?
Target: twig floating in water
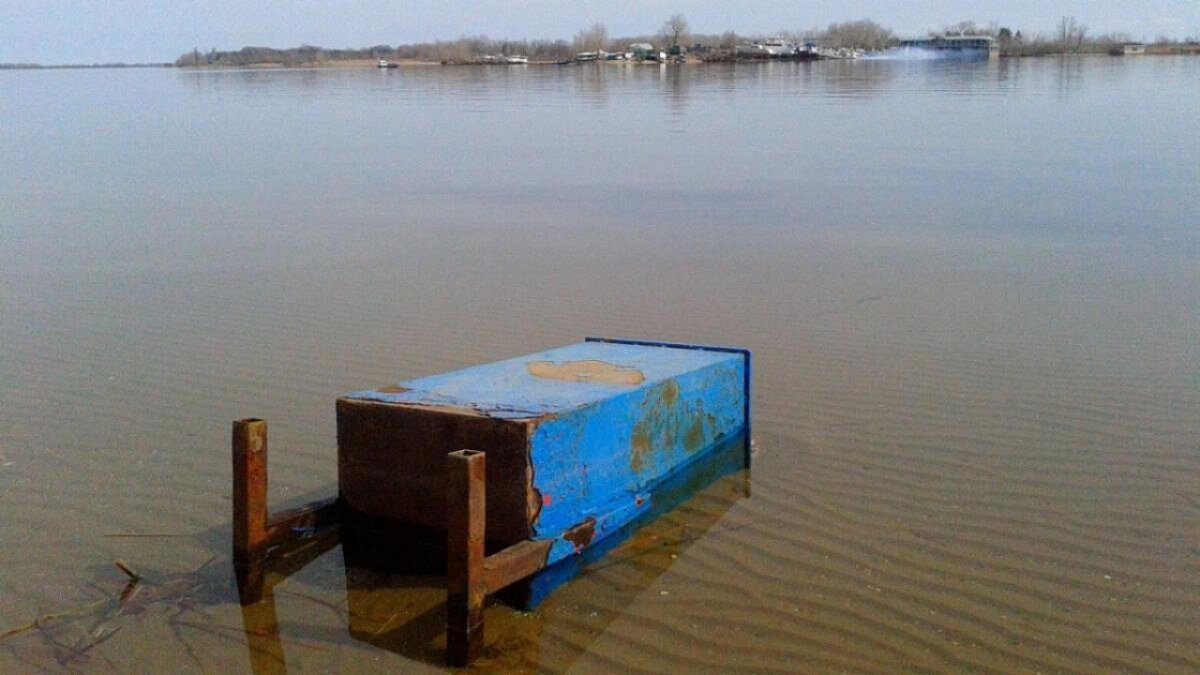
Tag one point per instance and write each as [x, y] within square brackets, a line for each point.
[131, 589]
[127, 570]
[140, 535]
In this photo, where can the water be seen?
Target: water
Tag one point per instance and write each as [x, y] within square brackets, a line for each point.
[972, 290]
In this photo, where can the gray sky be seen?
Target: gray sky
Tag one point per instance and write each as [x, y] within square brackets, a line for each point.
[86, 31]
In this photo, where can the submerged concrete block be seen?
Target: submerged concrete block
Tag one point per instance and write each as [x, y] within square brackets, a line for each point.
[577, 438]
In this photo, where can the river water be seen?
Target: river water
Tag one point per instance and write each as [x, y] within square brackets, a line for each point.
[972, 289]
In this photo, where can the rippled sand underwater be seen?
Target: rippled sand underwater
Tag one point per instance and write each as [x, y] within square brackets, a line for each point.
[977, 436]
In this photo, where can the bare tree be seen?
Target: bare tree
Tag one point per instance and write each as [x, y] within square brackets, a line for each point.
[674, 28]
[1004, 36]
[1070, 34]
[858, 35]
[1114, 38]
[962, 28]
[591, 39]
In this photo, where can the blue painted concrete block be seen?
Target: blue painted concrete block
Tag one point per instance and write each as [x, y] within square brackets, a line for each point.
[577, 438]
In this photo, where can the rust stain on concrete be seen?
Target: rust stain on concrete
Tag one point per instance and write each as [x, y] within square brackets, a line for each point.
[659, 425]
[641, 448]
[582, 534]
[694, 438]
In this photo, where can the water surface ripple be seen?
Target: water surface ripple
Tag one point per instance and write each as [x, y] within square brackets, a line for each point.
[972, 289]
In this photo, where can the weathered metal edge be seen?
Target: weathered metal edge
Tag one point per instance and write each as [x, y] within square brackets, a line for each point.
[746, 354]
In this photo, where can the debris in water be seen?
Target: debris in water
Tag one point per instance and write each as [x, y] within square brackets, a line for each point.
[141, 535]
[1190, 499]
[127, 570]
[73, 633]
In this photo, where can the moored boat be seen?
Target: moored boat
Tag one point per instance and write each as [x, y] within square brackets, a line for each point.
[773, 48]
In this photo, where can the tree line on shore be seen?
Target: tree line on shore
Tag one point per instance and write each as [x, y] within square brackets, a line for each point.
[1069, 36]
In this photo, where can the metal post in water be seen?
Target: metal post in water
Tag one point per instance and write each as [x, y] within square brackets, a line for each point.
[466, 589]
[249, 505]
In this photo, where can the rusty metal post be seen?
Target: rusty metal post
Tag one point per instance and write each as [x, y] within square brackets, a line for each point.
[466, 589]
[249, 490]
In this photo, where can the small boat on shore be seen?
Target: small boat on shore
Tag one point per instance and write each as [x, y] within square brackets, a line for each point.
[516, 60]
[774, 48]
[384, 63]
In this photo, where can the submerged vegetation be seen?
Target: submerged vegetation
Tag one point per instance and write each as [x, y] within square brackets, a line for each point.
[70, 636]
[1068, 36]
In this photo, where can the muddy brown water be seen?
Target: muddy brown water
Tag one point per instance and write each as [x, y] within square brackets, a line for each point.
[972, 291]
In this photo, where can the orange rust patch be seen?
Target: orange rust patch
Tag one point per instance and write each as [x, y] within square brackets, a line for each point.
[694, 438]
[392, 389]
[659, 425]
[641, 448]
[670, 393]
[581, 535]
[589, 370]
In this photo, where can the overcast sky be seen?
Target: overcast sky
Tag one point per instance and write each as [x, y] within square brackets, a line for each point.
[87, 31]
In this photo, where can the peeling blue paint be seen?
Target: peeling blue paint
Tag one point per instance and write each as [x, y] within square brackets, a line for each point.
[506, 389]
[596, 460]
[722, 459]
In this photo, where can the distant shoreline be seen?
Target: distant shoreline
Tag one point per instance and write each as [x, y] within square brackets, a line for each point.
[1151, 50]
[333, 63]
[417, 63]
